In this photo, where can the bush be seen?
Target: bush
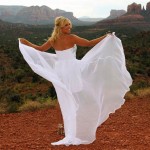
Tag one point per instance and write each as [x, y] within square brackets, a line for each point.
[12, 107]
[52, 93]
[19, 74]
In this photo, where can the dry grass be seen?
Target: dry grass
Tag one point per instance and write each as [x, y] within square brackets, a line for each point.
[140, 93]
[36, 105]
[130, 96]
[2, 108]
[30, 105]
[143, 93]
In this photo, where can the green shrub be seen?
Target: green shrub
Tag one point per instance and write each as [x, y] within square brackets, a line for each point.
[12, 107]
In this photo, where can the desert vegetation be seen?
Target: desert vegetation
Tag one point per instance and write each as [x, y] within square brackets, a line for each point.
[21, 89]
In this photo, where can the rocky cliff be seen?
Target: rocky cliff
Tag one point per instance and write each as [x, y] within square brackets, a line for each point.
[148, 7]
[137, 9]
[136, 15]
[116, 14]
[134, 8]
[34, 15]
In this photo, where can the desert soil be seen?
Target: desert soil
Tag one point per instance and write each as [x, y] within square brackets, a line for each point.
[127, 129]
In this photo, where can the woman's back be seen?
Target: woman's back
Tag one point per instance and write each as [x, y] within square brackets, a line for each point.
[63, 42]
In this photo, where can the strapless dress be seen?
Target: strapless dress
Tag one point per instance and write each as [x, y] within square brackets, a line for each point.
[88, 90]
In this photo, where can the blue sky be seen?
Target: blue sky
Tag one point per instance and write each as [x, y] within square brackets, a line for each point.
[91, 8]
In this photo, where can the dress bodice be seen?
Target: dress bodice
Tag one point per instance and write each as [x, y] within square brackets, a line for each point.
[67, 54]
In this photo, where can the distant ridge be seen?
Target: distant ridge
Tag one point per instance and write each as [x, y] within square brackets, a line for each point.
[115, 14]
[35, 15]
[136, 15]
[85, 18]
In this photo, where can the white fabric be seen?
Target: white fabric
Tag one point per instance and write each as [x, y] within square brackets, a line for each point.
[88, 90]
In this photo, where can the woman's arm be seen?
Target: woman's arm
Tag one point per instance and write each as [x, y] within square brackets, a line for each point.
[43, 47]
[84, 42]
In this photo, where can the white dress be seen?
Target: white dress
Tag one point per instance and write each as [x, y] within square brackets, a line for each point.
[88, 90]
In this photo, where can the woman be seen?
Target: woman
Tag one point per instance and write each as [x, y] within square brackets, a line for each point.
[89, 89]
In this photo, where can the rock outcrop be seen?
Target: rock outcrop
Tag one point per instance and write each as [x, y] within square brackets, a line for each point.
[134, 8]
[34, 15]
[116, 14]
[148, 7]
[137, 9]
[136, 15]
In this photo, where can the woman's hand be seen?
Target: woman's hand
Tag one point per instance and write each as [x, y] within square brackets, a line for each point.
[24, 41]
[110, 33]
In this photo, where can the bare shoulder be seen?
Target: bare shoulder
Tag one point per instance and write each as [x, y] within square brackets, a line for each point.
[50, 41]
[73, 36]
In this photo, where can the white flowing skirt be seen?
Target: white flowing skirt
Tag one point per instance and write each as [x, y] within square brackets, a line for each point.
[88, 90]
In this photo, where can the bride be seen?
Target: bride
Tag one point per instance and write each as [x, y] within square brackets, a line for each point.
[89, 89]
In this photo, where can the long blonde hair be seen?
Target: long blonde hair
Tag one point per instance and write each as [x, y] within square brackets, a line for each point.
[59, 23]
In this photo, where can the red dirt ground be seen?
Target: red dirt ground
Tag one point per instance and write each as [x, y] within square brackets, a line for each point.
[127, 129]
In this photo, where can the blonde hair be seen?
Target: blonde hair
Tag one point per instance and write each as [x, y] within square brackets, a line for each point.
[59, 23]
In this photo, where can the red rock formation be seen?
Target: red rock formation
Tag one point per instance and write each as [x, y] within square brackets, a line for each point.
[134, 8]
[116, 13]
[148, 7]
[131, 18]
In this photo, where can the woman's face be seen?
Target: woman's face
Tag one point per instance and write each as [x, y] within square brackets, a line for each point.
[66, 29]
